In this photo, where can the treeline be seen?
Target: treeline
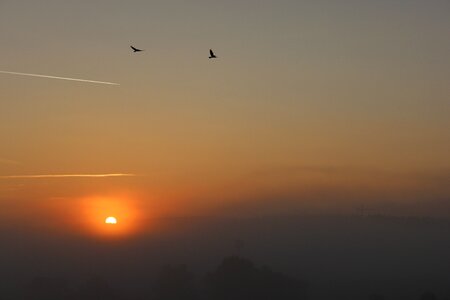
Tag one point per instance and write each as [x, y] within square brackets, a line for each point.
[235, 278]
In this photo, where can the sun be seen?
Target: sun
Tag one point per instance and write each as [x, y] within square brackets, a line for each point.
[111, 220]
[110, 217]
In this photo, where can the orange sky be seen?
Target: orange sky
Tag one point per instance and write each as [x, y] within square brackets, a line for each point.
[310, 106]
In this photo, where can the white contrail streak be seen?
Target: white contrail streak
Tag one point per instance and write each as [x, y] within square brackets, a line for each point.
[8, 161]
[61, 78]
[67, 176]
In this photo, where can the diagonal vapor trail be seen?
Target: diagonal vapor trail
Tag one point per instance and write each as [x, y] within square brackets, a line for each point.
[61, 78]
[68, 176]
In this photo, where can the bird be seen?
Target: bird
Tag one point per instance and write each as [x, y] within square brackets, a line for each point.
[211, 54]
[136, 49]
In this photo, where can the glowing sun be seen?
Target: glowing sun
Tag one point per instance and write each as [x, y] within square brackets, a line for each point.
[110, 220]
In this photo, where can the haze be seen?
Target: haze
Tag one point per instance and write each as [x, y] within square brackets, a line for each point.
[313, 109]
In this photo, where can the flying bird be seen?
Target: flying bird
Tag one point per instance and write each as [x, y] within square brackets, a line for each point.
[136, 49]
[211, 54]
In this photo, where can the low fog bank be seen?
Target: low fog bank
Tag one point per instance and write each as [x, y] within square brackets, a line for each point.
[338, 257]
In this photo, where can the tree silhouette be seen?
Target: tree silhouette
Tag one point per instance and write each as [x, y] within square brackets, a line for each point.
[96, 288]
[238, 279]
[45, 288]
[376, 297]
[174, 283]
[428, 296]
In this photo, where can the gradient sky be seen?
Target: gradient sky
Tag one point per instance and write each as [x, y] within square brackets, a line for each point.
[331, 104]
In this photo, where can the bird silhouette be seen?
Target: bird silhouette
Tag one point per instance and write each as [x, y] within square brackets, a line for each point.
[211, 54]
[136, 49]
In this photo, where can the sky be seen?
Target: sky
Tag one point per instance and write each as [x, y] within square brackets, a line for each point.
[311, 106]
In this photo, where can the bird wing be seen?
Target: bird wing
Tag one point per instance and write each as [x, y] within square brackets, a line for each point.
[135, 49]
[211, 52]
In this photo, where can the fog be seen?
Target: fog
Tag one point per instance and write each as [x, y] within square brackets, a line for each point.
[336, 257]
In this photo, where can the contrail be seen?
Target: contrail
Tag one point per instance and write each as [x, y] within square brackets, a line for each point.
[68, 176]
[61, 78]
[8, 161]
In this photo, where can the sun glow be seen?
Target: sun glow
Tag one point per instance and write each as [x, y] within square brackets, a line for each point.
[111, 220]
[111, 217]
